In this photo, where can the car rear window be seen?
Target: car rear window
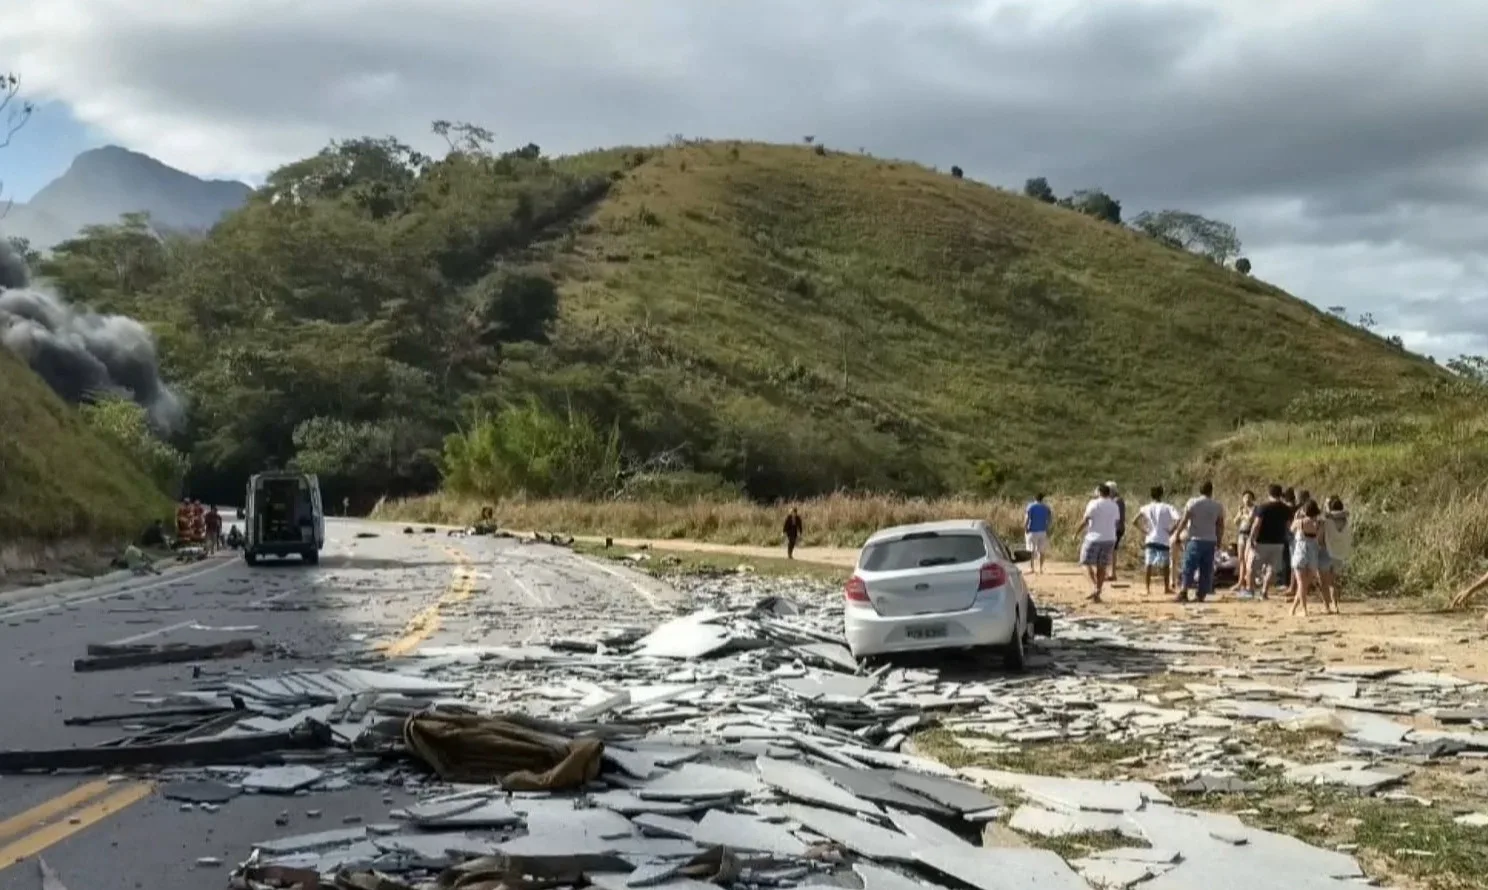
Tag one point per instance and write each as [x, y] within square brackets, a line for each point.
[923, 550]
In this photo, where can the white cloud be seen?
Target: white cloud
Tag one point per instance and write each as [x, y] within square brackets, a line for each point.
[1344, 137]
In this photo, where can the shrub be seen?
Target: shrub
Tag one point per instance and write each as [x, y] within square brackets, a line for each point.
[528, 450]
[124, 422]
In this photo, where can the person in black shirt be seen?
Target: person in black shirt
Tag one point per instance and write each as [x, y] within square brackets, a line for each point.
[793, 529]
[1269, 532]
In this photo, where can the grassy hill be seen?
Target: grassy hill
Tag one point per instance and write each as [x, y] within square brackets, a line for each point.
[829, 310]
[785, 321]
[58, 479]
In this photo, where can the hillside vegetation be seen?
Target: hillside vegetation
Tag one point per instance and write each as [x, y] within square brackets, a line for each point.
[717, 318]
[59, 479]
[868, 314]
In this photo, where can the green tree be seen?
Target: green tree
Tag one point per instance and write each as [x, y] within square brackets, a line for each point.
[125, 423]
[1095, 203]
[1470, 367]
[1038, 189]
[1189, 231]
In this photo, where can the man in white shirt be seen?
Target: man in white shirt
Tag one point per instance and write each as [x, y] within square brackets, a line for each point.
[1102, 516]
[1156, 520]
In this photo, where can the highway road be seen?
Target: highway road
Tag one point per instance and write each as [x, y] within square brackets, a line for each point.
[374, 585]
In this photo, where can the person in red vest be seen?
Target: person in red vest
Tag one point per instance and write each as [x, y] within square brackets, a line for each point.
[198, 523]
[183, 523]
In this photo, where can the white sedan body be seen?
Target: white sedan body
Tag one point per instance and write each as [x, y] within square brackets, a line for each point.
[938, 585]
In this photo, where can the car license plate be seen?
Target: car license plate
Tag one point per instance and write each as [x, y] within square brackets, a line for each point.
[926, 632]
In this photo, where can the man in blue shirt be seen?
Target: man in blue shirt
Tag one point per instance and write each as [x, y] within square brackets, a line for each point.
[1036, 521]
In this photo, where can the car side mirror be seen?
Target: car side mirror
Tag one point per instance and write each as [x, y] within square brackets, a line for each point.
[241, 514]
[1022, 555]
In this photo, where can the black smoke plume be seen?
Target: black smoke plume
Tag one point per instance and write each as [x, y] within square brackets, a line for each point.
[81, 354]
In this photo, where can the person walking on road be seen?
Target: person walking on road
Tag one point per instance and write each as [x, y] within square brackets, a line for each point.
[793, 528]
[1204, 520]
[1099, 544]
[1037, 518]
[213, 530]
[1156, 521]
[1120, 527]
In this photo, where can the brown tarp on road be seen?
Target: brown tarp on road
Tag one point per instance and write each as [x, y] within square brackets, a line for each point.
[498, 750]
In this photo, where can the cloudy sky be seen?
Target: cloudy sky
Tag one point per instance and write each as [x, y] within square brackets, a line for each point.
[1346, 139]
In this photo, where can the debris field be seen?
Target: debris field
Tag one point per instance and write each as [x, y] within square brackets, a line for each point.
[739, 745]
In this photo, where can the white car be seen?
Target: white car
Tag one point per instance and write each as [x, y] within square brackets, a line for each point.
[939, 585]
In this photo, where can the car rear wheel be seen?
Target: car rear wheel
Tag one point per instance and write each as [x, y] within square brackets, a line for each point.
[311, 557]
[1014, 655]
[250, 557]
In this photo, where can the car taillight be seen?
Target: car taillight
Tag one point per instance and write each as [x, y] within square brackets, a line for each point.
[992, 575]
[857, 591]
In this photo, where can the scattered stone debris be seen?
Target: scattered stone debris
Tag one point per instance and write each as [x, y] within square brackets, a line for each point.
[739, 745]
[108, 658]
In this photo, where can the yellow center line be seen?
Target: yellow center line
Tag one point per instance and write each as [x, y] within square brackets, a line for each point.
[56, 832]
[91, 803]
[426, 623]
[48, 810]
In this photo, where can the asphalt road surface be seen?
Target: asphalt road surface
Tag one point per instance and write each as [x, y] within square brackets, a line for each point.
[374, 584]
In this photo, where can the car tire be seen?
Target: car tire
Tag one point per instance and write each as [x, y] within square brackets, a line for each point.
[311, 557]
[1014, 654]
[250, 557]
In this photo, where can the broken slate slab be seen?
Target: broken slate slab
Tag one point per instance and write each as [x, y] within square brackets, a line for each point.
[473, 813]
[695, 781]
[1118, 874]
[687, 637]
[199, 791]
[1454, 716]
[877, 786]
[629, 804]
[855, 834]
[281, 779]
[1030, 819]
[834, 654]
[924, 830]
[1072, 794]
[876, 877]
[954, 794]
[1362, 671]
[310, 843]
[657, 825]
[1003, 868]
[806, 784]
[1426, 680]
[820, 685]
[1355, 774]
[745, 832]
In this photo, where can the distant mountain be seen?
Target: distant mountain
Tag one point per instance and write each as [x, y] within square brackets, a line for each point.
[104, 183]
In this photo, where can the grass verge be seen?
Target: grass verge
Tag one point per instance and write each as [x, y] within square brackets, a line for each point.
[58, 479]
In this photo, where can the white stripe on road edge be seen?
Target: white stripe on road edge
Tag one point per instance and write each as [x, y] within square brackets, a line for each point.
[152, 633]
[187, 575]
[649, 596]
[522, 586]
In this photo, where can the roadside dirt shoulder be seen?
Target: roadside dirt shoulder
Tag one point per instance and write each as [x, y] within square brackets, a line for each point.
[1374, 631]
